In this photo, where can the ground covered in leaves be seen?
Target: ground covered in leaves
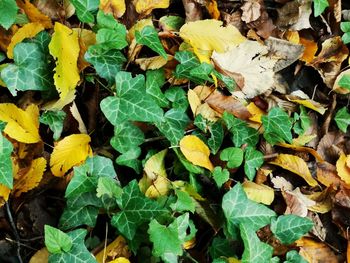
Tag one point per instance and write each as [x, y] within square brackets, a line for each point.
[174, 131]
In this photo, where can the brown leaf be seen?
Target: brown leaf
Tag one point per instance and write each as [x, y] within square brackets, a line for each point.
[327, 175]
[34, 14]
[315, 252]
[297, 203]
[330, 146]
[251, 11]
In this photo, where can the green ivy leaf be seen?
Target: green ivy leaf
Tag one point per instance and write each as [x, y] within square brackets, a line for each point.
[171, 23]
[78, 253]
[149, 37]
[233, 156]
[132, 102]
[346, 38]
[113, 36]
[178, 98]
[221, 247]
[277, 126]
[202, 72]
[136, 209]
[294, 257]
[54, 119]
[220, 175]
[304, 121]
[108, 186]
[216, 138]
[345, 26]
[187, 164]
[155, 79]
[184, 202]
[320, 6]
[238, 209]
[188, 61]
[229, 82]
[342, 119]
[344, 82]
[289, 228]
[78, 216]
[6, 148]
[253, 160]
[57, 241]
[8, 13]
[129, 159]
[84, 9]
[254, 249]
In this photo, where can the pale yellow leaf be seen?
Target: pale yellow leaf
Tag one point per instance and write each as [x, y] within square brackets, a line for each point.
[323, 201]
[196, 151]
[152, 62]
[22, 125]
[118, 248]
[303, 139]
[342, 169]
[34, 14]
[76, 114]
[194, 101]
[256, 112]
[71, 151]
[27, 31]
[296, 165]
[259, 192]
[115, 7]
[302, 149]
[158, 187]
[59, 104]
[120, 260]
[154, 166]
[145, 7]
[41, 256]
[311, 104]
[32, 178]
[64, 47]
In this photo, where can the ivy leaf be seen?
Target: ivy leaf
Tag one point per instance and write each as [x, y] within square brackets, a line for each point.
[342, 119]
[171, 23]
[238, 209]
[57, 241]
[149, 37]
[344, 81]
[155, 79]
[221, 247]
[136, 209]
[320, 6]
[78, 252]
[184, 202]
[110, 39]
[254, 249]
[294, 257]
[216, 138]
[107, 63]
[84, 9]
[220, 176]
[132, 102]
[202, 72]
[188, 61]
[129, 159]
[289, 228]
[277, 125]
[6, 148]
[178, 98]
[54, 119]
[253, 160]
[8, 13]
[108, 186]
[229, 82]
[77, 216]
[233, 156]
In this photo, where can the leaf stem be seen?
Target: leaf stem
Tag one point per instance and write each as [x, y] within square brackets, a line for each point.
[13, 226]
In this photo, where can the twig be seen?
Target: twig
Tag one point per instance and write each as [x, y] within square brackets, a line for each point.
[12, 223]
[105, 244]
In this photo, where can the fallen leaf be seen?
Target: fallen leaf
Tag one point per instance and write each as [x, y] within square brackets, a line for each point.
[76, 114]
[27, 31]
[145, 7]
[336, 87]
[115, 7]
[41, 256]
[152, 62]
[314, 251]
[4, 194]
[198, 107]
[212, 7]
[281, 183]
[297, 203]
[342, 169]
[34, 14]
[256, 112]
[259, 192]
[323, 201]
[251, 11]
[331, 145]
[310, 49]
[22, 125]
[311, 104]
[6, 36]
[158, 187]
[120, 260]
[118, 248]
[196, 151]
[70, 151]
[296, 165]
[302, 149]
[87, 38]
[154, 166]
[327, 175]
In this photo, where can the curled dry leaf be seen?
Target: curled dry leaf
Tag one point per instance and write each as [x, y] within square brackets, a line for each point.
[145, 7]
[118, 248]
[331, 145]
[256, 112]
[251, 11]
[302, 149]
[115, 7]
[314, 251]
[310, 49]
[86, 39]
[336, 87]
[342, 169]
[327, 175]
[34, 14]
[297, 203]
[152, 62]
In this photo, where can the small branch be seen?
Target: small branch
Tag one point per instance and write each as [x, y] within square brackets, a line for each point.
[12, 223]
[270, 156]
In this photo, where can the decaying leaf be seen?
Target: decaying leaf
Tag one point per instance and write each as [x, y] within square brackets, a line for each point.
[146, 6]
[34, 14]
[297, 203]
[314, 251]
[258, 192]
[342, 169]
[118, 248]
[115, 7]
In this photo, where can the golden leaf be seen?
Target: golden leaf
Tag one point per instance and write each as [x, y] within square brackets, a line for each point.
[34, 14]
[302, 149]
[195, 150]
[152, 62]
[154, 166]
[32, 178]
[4, 194]
[296, 165]
[212, 7]
[118, 248]
[41, 256]
[120, 260]
[145, 7]
[27, 31]
[342, 169]
[309, 51]
[64, 47]
[86, 39]
[311, 104]
[259, 192]
[158, 187]
[256, 112]
[22, 125]
[314, 251]
[115, 7]
[70, 151]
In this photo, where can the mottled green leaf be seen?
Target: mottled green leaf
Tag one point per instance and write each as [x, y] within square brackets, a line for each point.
[171, 23]
[221, 247]
[253, 160]
[78, 216]
[220, 176]
[188, 61]
[342, 119]
[84, 9]
[178, 98]
[54, 119]
[8, 13]
[57, 241]
[216, 137]
[344, 81]
[129, 159]
[6, 148]
[155, 79]
[149, 37]
[233, 156]
[126, 136]
[202, 72]
[294, 257]
[108, 186]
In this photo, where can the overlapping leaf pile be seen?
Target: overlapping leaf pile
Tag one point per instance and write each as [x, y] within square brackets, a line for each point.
[169, 131]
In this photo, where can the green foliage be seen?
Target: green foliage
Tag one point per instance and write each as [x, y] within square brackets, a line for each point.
[84, 9]
[233, 156]
[126, 136]
[220, 176]
[253, 160]
[320, 6]
[344, 81]
[183, 203]
[171, 23]
[149, 37]
[6, 148]
[155, 79]
[221, 247]
[345, 27]
[294, 257]
[8, 13]
[54, 119]
[342, 119]
[57, 241]
[216, 137]
[302, 121]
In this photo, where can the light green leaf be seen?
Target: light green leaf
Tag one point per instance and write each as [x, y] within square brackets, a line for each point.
[57, 241]
[254, 249]
[126, 136]
[78, 216]
[107, 63]
[78, 252]
[289, 228]
[54, 119]
[6, 148]
[114, 38]
[184, 202]
[346, 38]
[294, 257]
[136, 209]
[84, 9]
[155, 79]
[149, 37]
[132, 102]
[108, 186]
[129, 159]
[344, 81]
[220, 175]
[277, 126]
[216, 138]
[342, 119]
[238, 209]
[233, 156]
[202, 72]
[345, 26]
[320, 6]
[171, 23]
[253, 160]
[229, 82]
[188, 61]
[8, 13]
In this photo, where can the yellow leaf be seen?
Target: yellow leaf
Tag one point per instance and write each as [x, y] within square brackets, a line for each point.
[70, 151]
[256, 112]
[32, 178]
[309, 51]
[154, 166]
[145, 7]
[41, 256]
[64, 47]
[4, 193]
[120, 260]
[233, 260]
[323, 201]
[311, 104]
[296, 165]
[119, 247]
[302, 149]
[342, 169]
[193, 100]
[210, 35]
[212, 7]
[189, 243]
[303, 139]
[158, 187]
[59, 104]
[138, 27]
[115, 7]
[34, 14]
[195, 150]
[22, 125]
[293, 36]
[27, 31]
[259, 192]
[152, 62]
[86, 39]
